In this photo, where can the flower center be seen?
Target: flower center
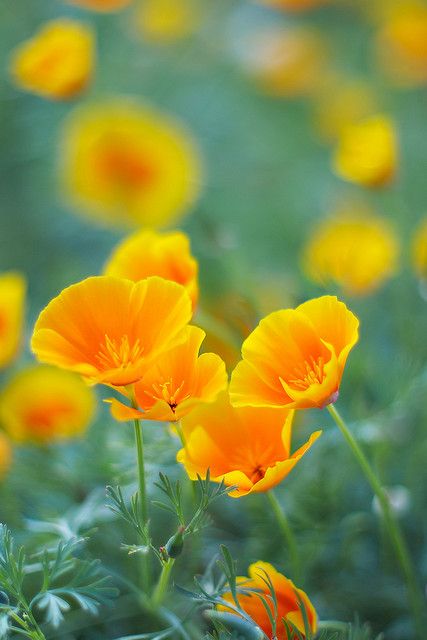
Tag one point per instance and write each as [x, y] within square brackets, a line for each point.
[42, 419]
[168, 392]
[126, 167]
[308, 373]
[115, 354]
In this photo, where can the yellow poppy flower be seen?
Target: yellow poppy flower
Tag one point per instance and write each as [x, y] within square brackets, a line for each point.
[402, 44]
[295, 358]
[12, 302]
[148, 253]
[289, 599]
[359, 252]
[245, 447]
[179, 381]
[5, 455]
[57, 62]
[167, 20]
[111, 330]
[104, 6]
[124, 163]
[41, 404]
[367, 152]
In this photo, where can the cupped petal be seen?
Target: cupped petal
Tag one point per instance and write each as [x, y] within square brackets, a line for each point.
[247, 387]
[335, 324]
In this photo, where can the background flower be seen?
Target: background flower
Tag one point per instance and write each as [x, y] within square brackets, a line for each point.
[101, 5]
[5, 455]
[148, 253]
[12, 301]
[357, 251]
[367, 152]
[42, 404]
[57, 62]
[124, 163]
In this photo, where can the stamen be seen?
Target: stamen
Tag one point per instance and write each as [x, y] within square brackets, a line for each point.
[309, 373]
[112, 355]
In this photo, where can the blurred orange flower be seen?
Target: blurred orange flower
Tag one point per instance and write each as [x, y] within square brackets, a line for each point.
[178, 381]
[12, 302]
[167, 20]
[147, 253]
[246, 447]
[289, 599]
[295, 358]
[41, 404]
[402, 44]
[101, 5]
[357, 250]
[57, 62]
[287, 62]
[294, 5]
[124, 163]
[110, 330]
[367, 152]
[5, 455]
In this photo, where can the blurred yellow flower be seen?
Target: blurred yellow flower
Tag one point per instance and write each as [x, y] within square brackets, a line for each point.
[167, 20]
[5, 455]
[57, 62]
[246, 447]
[41, 404]
[419, 250]
[148, 253]
[101, 5]
[285, 62]
[124, 163]
[179, 381]
[289, 601]
[341, 102]
[294, 5]
[12, 302]
[357, 251]
[367, 152]
[402, 44]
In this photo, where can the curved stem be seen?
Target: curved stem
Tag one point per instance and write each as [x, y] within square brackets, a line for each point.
[415, 595]
[287, 533]
[162, 585]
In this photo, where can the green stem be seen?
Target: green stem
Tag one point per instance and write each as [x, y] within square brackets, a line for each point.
[415, 595]
[162, 585]
[142, 497]
[287, 533]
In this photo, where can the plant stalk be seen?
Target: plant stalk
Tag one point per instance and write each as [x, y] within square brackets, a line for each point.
[415, 596]
[163, 583]
[287, 534]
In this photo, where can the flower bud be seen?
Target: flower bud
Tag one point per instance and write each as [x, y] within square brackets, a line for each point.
[175, 544]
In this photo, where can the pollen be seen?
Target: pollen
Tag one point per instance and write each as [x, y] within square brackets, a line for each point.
[119, 354]
[168, 392]
[308, 373]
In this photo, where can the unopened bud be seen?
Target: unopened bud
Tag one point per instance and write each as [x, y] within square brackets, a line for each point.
[175, 544]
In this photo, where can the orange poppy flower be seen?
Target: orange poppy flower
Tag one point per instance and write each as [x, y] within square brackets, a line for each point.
[294, 5]
[178, 381]
[248, 447]
[148, 253]
[101, 5]
[5, 455]
[295, 358]
[42, 404]
[12, 301]
[288, 597]
[57, 62]
[110, 330]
